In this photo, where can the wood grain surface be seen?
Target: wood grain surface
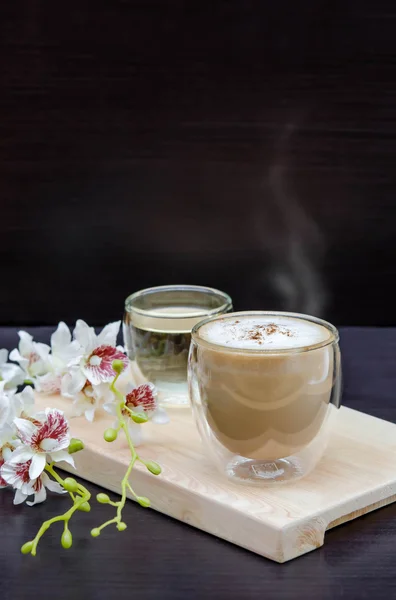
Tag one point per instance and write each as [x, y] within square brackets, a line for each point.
[356, 475]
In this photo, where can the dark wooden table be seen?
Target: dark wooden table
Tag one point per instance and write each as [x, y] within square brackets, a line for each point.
[158, 557]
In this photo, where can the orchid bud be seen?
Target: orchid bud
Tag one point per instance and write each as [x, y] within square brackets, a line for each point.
[27, 548]
[153, 467]
[70, 484]
[95, 532]
[66, 539]
[84, 507]
[110, 435]
[75, 446]
[143, 501]
[118, 366]
[103, 498]
[139, 418]
[121, 526]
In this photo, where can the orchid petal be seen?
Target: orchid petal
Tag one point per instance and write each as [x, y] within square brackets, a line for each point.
[3, 356]
[85, 335]
[25, 343]
[19, 497]
[25, 429]
[42, 350]
[49, 445]
[17, 357]
[39, 497]
[93, 374]
[6, 433]
[108, 335]
[143, 396]
[4, 410]
[103, 392]
[3, 482]
[55, 427]
[20, 455]
[7, 453]
[9, 475]
[12, 374]
[37, 465]
[27, 488]
[103, 371]
[62, 456]
[48, 384]
[26, 396]
[60, 338]
[90, 414]
[73, 382]
[52, 485]
[72, 354]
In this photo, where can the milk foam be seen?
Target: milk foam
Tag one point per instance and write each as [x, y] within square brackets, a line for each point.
[264, 332]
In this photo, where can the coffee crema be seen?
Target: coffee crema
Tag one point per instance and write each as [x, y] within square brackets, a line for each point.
[264, 332]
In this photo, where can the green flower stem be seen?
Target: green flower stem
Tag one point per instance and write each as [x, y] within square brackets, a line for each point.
[81, 496]
[55, 475]
[128, 410]
[131, 490]
[125, 485]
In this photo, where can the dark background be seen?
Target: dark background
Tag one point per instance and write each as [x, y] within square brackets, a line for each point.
[246, 145]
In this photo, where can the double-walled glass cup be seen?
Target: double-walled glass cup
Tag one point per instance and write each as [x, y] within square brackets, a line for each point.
[157, 333]
[264, 413]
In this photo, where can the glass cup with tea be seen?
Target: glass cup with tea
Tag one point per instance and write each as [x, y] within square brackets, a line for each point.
[157, 334]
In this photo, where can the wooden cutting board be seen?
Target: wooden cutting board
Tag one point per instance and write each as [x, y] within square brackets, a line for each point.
[356, 475]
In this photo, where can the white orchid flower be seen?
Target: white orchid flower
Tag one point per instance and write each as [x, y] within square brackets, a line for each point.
[86, 397]
[141, 399]
[18, 476]
[31, 356]
[87, 383]
[14, 405]
[12, 374]
[89, 340]
[43, 438]
[99, 353]
[64, 350]
[65, 353]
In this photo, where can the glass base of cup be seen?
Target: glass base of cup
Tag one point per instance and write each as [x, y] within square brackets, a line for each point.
[250, 471]
[172, 394]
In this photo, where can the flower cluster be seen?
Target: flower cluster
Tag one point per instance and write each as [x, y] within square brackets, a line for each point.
[78, 367]
[28, 442]
[84, 368]
[31, 443]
